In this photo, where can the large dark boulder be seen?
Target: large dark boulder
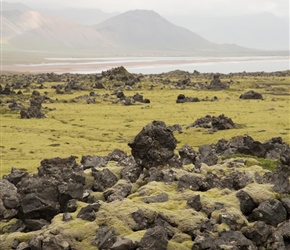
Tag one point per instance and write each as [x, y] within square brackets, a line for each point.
[141, 219]
[9, 200]
[213, 123]
[89, 161]
[181, 98]
[251, 95]
[89, 212]
[222, 122]
[154, 145]
[217, 84]
[271, 212]
[272, 149]
[105, 238]
[103, 179]
[47, 193]
[258, 233]
[207, 155]
[187, 155]
[247, 205]
[154, 239]
[34, 110]
[15, 175]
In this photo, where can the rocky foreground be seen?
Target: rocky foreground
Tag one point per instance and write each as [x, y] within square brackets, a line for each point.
[152, 199]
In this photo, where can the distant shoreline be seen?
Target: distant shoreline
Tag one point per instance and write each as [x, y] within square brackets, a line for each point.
[97, 65]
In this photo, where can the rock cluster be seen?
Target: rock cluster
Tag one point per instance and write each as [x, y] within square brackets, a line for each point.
[251, 95]
[154, 145]
[6, 90]
[121, 74]
[34, 110]
[213, 123]
[181, 98]
[217, 84]
[152, 199]
[126, 100]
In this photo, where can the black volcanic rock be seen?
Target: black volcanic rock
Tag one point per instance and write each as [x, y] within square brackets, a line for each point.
[271, 212]
[9, 200]
[154, 239]
[89, 212]
[217, 84]
[34, 110]
[247, 205]
[154, 145]
[221, 122]
[258, 233]
[251, 95]
[103, 179]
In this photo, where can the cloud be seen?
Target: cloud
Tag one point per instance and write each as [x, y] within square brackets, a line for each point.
[205, 7]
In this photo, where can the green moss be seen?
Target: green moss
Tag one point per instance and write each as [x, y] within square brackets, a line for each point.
[267, 164]
[259, 192]
[105, 126]
[6, 225]
[173, 246]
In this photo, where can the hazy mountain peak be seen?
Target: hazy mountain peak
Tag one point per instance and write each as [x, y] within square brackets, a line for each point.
[14, 6]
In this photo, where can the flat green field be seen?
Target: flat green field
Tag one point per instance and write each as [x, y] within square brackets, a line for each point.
[78, 128]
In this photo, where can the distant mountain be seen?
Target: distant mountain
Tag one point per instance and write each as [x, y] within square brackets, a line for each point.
[31, 30]
[14, 6]
[146, 31]
[133, 33]
[81, 16]
[259, 30]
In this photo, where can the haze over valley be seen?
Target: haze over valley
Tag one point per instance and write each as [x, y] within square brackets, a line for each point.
[132, 33]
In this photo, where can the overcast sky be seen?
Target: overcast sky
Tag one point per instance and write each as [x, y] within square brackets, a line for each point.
[165, 7]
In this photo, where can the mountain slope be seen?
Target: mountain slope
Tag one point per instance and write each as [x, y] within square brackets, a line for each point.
[142, 29]
[260, 30]
[37, 31]
[146, 31]
[82, 16]
[133, 33]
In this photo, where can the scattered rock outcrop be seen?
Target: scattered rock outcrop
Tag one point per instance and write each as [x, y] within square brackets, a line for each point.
[273, 148]
[251, 95]
[34, 110]
[217, 84]
[213, 123]
[152, 199]
[181, 98]
[154, 145]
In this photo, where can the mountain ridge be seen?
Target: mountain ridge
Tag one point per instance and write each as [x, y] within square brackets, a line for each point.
[132, 33]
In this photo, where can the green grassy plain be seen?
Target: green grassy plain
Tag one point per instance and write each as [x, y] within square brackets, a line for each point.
[97, 129]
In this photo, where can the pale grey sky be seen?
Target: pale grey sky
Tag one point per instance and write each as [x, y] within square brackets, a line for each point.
[165, 7]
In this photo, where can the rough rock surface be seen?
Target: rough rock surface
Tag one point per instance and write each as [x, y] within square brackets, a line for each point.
[251, 95]
[154, 145]
[213, 123]
[181, 98]
[34, 110]
[144, 201]
[217, 84]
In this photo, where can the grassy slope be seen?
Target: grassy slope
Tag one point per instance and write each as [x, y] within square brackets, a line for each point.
[97, 129]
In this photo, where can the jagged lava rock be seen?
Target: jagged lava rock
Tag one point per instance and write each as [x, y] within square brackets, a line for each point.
[251, 95]
[154, 145]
